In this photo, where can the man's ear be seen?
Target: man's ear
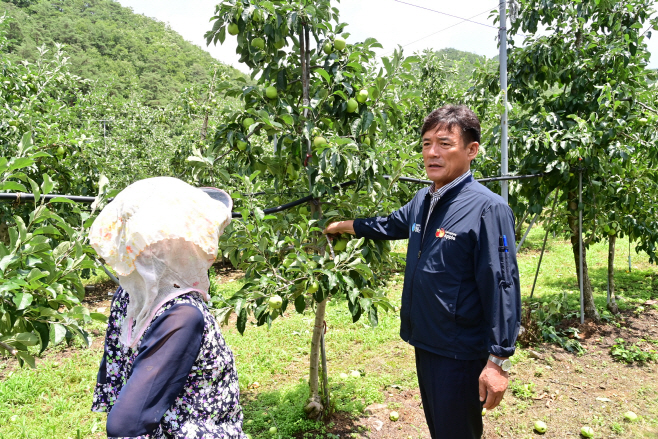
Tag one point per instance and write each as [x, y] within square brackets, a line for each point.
[473, 149]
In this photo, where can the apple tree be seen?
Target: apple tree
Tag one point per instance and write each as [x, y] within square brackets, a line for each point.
[577, 88]
[320, 121]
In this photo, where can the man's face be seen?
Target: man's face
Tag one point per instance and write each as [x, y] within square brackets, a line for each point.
[445, 155]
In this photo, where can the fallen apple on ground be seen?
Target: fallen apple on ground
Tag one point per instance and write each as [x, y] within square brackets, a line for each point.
[540, 427]
[586, 432]
[630, 416]
[394, 416]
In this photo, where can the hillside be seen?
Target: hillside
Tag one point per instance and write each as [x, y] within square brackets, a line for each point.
[124, 51]
[463, 62]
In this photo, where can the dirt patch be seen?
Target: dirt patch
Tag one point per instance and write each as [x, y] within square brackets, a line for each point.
[640, 328]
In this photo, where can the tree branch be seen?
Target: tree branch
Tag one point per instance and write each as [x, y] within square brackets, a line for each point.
[12, 350]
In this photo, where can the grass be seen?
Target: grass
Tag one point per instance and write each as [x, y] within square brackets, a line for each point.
[54, 400]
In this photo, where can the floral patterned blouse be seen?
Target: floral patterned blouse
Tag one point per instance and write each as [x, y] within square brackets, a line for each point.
[179, 382]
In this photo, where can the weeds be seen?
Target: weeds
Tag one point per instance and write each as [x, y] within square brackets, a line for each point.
[621, 351]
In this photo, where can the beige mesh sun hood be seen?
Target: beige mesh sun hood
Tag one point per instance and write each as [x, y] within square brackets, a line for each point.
[157, 209]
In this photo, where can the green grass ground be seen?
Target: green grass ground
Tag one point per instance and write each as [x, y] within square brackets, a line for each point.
[53, 401]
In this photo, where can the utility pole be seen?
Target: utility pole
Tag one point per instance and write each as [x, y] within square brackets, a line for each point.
[502, 39]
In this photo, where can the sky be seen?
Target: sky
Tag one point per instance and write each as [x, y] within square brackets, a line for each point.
[391, 22]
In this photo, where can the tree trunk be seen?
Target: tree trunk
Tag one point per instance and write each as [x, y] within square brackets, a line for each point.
[519, 226]
[4, 233]
[314, 407]
[590, 308]
[612, 305]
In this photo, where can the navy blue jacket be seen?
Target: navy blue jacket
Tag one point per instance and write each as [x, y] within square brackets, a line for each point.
[461, 296]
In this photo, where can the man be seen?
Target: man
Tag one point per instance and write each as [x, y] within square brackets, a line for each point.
[461, 303]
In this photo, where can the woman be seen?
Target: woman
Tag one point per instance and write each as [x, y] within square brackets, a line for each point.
[166, 371]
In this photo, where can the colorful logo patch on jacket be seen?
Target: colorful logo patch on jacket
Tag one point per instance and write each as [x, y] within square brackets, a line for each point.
[415, 228]
[443, 233]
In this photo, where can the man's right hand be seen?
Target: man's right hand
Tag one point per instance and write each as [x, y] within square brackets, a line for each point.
[340, 227]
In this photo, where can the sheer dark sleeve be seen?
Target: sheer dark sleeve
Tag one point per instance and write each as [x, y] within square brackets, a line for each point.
[166, 356]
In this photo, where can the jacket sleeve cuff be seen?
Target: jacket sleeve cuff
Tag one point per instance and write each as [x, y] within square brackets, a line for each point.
[358, 227]
[500, 351]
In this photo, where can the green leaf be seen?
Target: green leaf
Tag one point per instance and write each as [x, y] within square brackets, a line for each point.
[62, 200]
[29, 359]
[242, 320]
[27, 338]
[322, 72]
[20, 162]
[7, 261]
[372, 315]
[25, 144]
[300, 304]
[44, 334]
[22, 300]
[57, 333]
[47, 184]
[98, 316]
[35, 190]
[12, 186]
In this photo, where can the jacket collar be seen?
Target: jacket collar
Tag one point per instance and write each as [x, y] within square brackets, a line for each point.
[452, 191]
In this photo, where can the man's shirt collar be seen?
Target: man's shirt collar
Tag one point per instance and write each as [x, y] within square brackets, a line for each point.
[438, 193]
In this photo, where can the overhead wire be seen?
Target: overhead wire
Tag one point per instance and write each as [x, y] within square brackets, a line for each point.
[449, 15]
[441, 30]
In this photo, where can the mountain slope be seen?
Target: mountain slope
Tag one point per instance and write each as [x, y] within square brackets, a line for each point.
[125, 51]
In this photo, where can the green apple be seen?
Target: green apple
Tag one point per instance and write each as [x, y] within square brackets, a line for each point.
[60, 150]
[275, 302]
[233, 29]
[394, 416]
[328, 48]
[280, 44]
[366, 140]
[352, 105]
[248, 436]
[540, 427]
[249, 422]
[586, 432]
[242, 145]
[258, 42]
[339, 43]
[630, 416]
[311, 289]
[544, 69]
[362, 96]
[271, 92]
[247, 122]
[319, 141]
[272, 430]
[340, 245]
[484, 411]
[355, 374]
[343, 375]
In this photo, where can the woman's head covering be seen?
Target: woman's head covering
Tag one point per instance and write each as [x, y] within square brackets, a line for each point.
[161, 236]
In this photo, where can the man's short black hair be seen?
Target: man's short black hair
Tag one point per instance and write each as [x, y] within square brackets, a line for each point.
[450, 115]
